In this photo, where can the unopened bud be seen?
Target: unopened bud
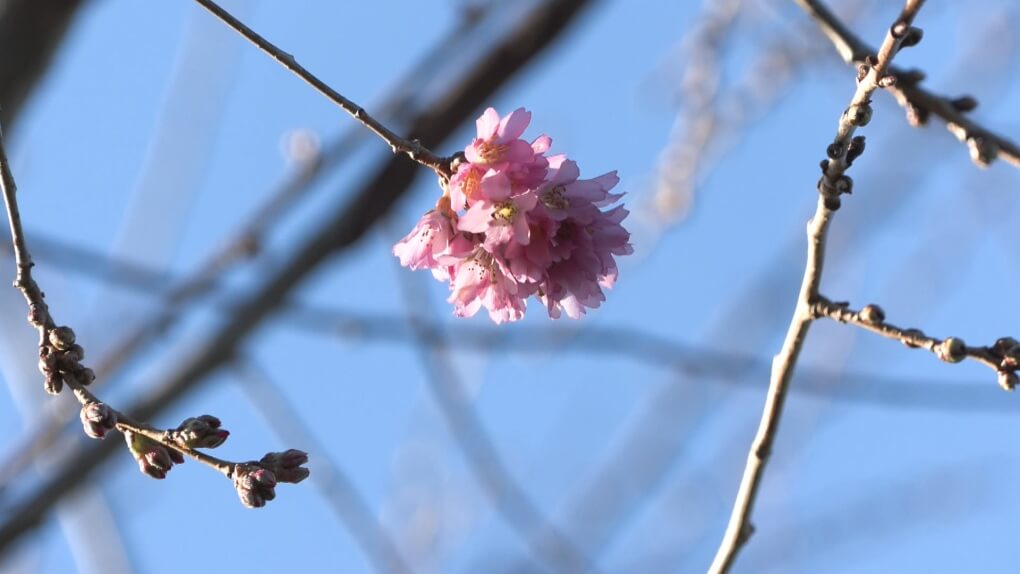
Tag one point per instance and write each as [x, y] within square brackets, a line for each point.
[859, 114]
[1008, 380]
[1011, 358]
[1003, 344]
[61, 337]
[912, 37]
[97, 419]
[287, 465]
[952, 350]
[54, 383]
[983, 151]
[855, 150]
[255, 485]
[153, 458]
[872, 314]
[964, 103]
[201, 432]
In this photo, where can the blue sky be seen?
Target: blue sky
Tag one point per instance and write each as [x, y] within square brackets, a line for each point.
[158, 131]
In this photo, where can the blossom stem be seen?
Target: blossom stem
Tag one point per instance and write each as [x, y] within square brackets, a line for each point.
[412, 148]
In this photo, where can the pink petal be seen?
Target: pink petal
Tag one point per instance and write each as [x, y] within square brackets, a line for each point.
[514, 124]
[487, 124]
[477, 219]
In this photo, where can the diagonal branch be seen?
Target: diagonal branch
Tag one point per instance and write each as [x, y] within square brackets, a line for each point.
[332, 482]
[412, 148]
[523, 41]
[833, 183]
[984, 144]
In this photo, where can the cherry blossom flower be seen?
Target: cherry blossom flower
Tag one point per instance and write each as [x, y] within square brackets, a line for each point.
[514, 223]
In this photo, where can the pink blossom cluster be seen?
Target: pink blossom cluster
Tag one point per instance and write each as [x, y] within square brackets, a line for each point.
[515, 223]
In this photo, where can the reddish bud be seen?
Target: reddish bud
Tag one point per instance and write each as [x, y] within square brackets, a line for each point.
[287, 465]
[153, 458]
[255, 485]
[98, 419]
[201, 432]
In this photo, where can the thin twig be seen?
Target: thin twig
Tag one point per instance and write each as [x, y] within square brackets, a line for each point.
[985, 145]
[332, 482]
[412, 148]
[545, 540]
[1003, 357]
[40, 318]
[832, 184]
[461, 97]
[245, 245]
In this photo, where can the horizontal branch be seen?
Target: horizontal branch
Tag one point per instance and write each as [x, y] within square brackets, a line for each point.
[1003, 356]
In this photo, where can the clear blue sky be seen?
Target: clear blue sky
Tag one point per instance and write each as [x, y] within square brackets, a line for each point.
[865, 477]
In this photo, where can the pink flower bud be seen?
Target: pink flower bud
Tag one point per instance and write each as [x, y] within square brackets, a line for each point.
[97, 419]
[153, 458]
[255, 485]
[287, 465]
[201, 432]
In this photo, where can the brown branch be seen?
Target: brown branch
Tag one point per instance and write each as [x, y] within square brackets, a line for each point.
[546, 542]
[984, 144]
[832, 184]
[332, 482]
[412, 148]
[60, 357]
[523, 41]
[245, 245]
[1003, 357]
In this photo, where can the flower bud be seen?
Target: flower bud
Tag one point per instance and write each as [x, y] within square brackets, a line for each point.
[1011, 358]
[98, 419]
[287, 465]
[952, 350]
[1003, 344]
[859, 114]
[54, 383]
[201, 432]
[872, 314]
[153, 458]
[255, 485]
[983, 151]
[61, 337]
[964, 103]
[1008, 380]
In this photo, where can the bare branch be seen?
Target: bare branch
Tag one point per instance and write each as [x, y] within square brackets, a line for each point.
[523, 41]
[412, 148]
[984, 144]
[332, 482]
[1003, 357]
[832, 184]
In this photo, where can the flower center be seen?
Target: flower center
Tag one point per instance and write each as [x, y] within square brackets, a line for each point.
[491, 152]
[554, 198]
[504, 212]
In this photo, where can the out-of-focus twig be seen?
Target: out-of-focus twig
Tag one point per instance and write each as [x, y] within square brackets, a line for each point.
[545, 541]
[400, 145]
[245, 244]
[332, 482]
[524, 39]
[30, 32]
